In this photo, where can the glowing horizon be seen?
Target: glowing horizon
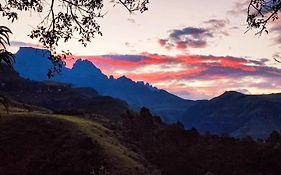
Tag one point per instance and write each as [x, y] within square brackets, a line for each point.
[191, 76]
[174, 47]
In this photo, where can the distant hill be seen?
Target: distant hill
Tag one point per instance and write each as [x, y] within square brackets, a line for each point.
[33, 64]
[59, 97]
[236, 114]
[231, 113]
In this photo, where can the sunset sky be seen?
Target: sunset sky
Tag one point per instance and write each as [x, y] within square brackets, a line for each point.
[194, 49]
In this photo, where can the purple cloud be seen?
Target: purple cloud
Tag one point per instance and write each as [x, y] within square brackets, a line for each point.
[194, 37]
[196, 33]
[189, 37]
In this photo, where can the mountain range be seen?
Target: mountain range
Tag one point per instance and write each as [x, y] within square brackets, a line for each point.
[236, 114]
[231, 113]
[33, 64]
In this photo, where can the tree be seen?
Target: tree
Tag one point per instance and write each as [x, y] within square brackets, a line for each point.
[260, 12]
[63, 20]
[5, 56]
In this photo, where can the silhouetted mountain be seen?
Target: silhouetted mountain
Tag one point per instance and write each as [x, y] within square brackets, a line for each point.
[59, 97]
[236, 114]
[33, 64]
[26, 65]
[231, 113]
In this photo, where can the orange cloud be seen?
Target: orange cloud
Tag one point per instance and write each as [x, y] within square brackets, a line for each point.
[211, 74]
[196, 65]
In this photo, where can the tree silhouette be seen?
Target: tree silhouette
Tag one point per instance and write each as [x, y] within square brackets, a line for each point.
[62, 20]
[260, 12]
[5, 56]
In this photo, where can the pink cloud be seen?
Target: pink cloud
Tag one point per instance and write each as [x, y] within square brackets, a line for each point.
[229, 70]
[211, 64]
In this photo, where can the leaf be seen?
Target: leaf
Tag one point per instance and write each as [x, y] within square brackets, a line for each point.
[7, 58]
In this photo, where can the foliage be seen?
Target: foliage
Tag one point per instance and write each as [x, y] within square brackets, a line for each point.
[260, 12]
[4, 36]
[5, 56]
[62, 21]
[175, 150]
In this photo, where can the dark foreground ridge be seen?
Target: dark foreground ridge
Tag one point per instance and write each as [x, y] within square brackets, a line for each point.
[37, 142]
[45, 146]
[48, 144]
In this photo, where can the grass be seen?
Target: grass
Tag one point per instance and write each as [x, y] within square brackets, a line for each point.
[120, 158]
[117, 153]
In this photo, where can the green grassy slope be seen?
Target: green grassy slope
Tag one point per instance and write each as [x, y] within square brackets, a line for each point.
[58, 143]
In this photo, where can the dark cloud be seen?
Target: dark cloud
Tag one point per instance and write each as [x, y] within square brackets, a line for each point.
[189, 37]
[260, 62]
[243, 71]
[193, 32]
[194, 37]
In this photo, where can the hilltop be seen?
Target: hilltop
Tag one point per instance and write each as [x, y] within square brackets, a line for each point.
[236, 114]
